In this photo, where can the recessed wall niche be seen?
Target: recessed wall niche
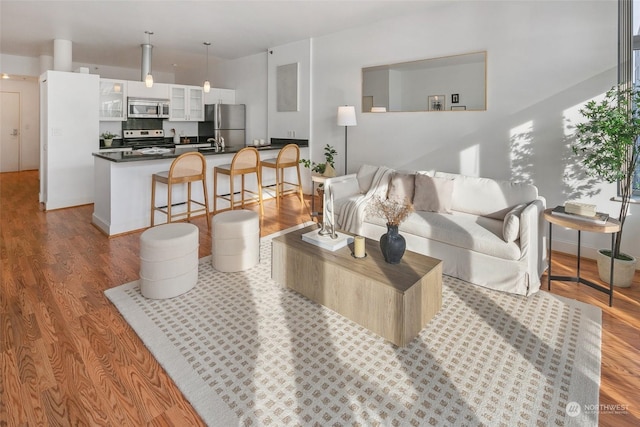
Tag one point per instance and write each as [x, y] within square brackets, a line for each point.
[448, 83]
[287, 87]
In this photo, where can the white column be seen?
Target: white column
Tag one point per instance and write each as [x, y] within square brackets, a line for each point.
[62, 55]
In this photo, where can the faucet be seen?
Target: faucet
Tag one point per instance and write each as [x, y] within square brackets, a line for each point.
[217, 145]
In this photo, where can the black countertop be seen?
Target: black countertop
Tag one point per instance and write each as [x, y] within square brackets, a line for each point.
[136, 155]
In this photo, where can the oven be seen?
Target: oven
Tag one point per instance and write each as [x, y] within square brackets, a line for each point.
[145, 138]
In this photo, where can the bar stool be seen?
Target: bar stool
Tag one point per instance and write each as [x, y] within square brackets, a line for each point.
[288, 157]
[186, 168]
[244, 162]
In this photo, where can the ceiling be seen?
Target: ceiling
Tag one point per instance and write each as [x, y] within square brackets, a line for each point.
[111, 32]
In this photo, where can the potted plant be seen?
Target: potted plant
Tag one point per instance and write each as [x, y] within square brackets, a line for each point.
[328, 167]
[609, 147]
[108, 138]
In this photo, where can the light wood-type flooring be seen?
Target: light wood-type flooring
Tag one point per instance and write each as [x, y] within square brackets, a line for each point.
[68, 358]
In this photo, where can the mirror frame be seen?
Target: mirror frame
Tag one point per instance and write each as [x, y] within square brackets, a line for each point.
[435, 101]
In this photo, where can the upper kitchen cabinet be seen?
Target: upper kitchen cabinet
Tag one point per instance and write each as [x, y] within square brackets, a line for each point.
[139, 90]
[220, 96]
[187, 104]
[113, 99]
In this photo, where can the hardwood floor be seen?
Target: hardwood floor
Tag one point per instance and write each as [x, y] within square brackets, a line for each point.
[68, 358]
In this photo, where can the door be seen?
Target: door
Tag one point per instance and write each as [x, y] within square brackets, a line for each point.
[9, 131]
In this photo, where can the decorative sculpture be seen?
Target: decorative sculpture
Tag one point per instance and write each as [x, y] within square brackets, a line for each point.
[328, 227]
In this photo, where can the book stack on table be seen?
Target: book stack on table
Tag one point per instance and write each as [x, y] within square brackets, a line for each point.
[581, 211]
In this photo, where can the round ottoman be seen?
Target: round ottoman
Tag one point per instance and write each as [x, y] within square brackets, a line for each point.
[168, 260]
[235, 243]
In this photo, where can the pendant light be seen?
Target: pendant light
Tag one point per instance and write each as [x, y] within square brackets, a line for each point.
[148, 80]
[207, 85]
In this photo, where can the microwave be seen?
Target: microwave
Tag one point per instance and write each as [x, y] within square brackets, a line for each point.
[147, 108]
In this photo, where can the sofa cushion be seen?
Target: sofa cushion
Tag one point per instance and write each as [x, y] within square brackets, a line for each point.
[511, 223]
[432, 194]
[365, 177]
[488, 197]
[472, 232]
[401, 187]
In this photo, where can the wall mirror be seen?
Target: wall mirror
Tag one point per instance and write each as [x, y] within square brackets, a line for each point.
[449, 83]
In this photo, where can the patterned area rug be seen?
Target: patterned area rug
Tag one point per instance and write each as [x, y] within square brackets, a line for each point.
[246, 352]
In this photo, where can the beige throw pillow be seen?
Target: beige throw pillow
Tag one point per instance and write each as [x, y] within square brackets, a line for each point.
[401, 186]
[365, 176]
[433, 194]
[511, 224]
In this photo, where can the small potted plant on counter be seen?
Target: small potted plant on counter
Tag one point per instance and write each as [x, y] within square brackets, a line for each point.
[108, 138]
[609, 148]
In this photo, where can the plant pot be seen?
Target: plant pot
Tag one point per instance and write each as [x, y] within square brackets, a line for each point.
[392, 245]
[623, 270]
[329, 171]
[108, 142]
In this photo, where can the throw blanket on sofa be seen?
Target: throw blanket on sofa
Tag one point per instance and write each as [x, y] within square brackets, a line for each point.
[351, 213]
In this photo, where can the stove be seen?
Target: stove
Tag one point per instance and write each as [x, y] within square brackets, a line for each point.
[143, 138]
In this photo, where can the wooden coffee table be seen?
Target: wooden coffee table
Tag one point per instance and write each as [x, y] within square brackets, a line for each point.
[393, 300]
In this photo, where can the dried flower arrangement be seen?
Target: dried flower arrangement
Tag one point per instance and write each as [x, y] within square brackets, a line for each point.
[393, 211]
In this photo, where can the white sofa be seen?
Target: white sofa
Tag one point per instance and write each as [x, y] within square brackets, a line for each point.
[487, 232]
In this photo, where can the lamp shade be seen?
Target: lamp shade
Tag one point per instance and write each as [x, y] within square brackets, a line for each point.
[347, 115]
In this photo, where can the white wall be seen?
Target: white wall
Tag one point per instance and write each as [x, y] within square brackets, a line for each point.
[291, 124]
[29, 119]
[544, 59]
[20, 65]
[248, 76]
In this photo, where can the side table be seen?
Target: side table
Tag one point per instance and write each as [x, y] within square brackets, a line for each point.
[319, 180]
[612, 226]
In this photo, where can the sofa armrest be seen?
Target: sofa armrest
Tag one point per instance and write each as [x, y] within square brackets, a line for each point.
[532, 242]
[343, 186]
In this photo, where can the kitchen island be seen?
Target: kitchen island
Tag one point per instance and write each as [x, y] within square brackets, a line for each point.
[122, 183]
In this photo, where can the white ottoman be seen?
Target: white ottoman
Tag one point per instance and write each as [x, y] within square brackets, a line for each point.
[235, 243]
[168, 260]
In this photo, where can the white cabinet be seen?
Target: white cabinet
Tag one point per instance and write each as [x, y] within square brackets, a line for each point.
[113, 100]
[220, 96]
[139, 90]
[187, 104]
[69, 134]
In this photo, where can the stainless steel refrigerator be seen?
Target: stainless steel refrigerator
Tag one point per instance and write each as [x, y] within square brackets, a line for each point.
[224, 120]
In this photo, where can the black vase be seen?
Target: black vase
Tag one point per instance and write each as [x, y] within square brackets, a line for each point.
[392, 245]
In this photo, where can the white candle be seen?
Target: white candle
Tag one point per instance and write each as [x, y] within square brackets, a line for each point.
[333, 224]
[358, 247]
